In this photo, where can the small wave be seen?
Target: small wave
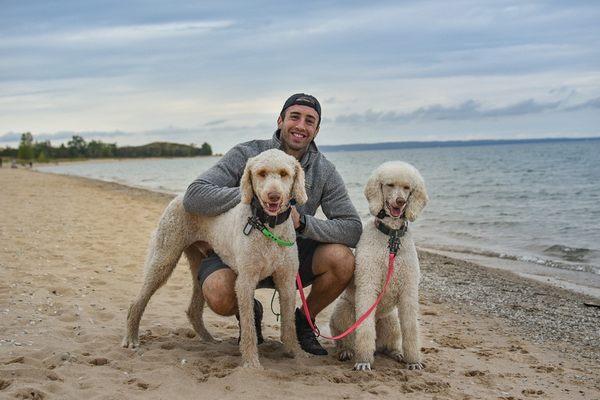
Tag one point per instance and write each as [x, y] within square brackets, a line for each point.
[530, 259]
[573, 254]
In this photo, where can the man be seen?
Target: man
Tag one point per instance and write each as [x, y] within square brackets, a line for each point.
[326, 262]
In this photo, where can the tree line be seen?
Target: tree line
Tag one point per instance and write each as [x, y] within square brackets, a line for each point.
[77, 147]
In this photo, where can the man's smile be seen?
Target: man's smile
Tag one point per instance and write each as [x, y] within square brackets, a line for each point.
[299, 135]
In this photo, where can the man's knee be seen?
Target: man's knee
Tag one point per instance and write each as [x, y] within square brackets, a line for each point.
[337, 259]
[218, 290]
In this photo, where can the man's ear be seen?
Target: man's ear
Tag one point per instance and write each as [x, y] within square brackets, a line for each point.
[279, 122]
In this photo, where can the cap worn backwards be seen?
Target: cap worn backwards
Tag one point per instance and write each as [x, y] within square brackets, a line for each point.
[302, 99]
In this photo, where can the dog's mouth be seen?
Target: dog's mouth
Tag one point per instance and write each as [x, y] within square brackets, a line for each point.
[272, 207]
[396, 212]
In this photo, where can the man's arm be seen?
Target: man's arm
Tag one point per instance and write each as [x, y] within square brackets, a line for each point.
[343, 224]
[216, 190]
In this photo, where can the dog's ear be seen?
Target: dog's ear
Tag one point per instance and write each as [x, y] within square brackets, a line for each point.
[374, 194]
[418, 198]
[298, 190]
[246, 183]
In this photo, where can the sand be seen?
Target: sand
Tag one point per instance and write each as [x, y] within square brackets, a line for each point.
[71, 254]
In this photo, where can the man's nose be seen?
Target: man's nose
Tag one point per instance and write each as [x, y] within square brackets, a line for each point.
[301, 124]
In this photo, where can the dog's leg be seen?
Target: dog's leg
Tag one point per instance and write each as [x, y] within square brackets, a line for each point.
[408, 312]
[341, 318]
[196, 308]
[286, 287]
[244, 290]
[364, 343]
[388, 336]
[160, 263]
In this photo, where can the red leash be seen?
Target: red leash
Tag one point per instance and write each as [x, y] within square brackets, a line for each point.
[355, 325]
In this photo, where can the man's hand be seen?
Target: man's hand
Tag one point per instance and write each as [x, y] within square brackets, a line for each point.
[295, 217]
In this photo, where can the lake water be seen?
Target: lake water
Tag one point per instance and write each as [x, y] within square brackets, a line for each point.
[537, 203]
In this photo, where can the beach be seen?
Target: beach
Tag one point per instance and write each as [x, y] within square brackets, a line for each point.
[71, 257]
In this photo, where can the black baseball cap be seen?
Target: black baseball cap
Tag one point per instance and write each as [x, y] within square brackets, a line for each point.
[302, 99]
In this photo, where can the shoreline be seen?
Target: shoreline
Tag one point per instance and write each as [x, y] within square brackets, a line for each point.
[71, 263]
[582, 282]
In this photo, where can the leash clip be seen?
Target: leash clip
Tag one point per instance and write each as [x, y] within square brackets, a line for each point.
[252, 223]
[394, 244]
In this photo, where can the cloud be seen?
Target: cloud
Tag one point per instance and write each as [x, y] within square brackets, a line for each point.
[468, 110]
[122, 34]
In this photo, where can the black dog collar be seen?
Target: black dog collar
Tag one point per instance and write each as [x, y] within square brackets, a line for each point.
[271, 220]
[393, 234]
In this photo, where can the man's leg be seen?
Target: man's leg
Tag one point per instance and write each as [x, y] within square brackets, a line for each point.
[218, 288]
[333, 267]
[332, 270]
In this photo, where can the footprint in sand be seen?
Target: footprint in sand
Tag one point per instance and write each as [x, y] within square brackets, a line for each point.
[429, 350]
[4, 383]
[532, 392]
[29, 394]
[475, 373]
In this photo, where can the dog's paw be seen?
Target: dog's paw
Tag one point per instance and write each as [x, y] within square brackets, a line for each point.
[252, 364]
[415, 366]
[395, 355]
[130, 342]
[345, 355]
[210, 339]
[362, 366]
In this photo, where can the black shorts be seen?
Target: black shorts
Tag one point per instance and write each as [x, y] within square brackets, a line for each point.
[306, 250]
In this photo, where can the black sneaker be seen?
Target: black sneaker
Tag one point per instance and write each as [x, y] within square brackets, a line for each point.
[306, 337]
[258, 315]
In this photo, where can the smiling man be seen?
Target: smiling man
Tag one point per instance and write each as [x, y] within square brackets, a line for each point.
[326, 261]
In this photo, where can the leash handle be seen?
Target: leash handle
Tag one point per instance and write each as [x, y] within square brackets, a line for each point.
[358, 322]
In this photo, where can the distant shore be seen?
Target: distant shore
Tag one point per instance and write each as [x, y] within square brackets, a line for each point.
[71, 261]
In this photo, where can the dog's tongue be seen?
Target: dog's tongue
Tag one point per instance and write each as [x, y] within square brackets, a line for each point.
[273, 207]
[396, 211]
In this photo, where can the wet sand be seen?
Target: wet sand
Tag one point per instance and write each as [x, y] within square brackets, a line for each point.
[71, 258]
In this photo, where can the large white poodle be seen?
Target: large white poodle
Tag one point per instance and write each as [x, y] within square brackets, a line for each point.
[273, 178]
[396, 194]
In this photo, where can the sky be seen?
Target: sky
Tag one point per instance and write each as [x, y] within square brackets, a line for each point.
[191, 72]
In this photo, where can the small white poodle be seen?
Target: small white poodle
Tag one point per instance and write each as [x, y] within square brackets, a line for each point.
[274, 179]
[396, 194]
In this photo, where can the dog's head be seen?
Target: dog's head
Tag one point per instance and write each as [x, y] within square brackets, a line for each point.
[397, 188]
[275, 178]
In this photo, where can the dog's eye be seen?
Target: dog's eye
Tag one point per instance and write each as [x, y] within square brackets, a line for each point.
[407, 187]
[283, 173]
[262, 173]
[389, 185]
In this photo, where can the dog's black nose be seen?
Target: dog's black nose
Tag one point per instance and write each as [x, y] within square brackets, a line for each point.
[274, 196]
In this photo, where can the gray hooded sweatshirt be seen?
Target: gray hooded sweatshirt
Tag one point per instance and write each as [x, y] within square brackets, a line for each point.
[217, 190]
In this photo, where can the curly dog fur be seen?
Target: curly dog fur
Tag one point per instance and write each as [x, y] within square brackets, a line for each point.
[398, 189]
[274, 178]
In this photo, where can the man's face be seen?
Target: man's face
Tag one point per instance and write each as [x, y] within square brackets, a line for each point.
[298, 127]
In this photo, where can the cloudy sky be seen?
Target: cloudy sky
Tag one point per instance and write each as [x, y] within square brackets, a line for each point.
[138, 71]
